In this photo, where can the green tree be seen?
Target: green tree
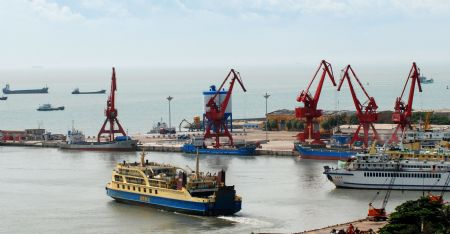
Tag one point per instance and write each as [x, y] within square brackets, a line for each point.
[409, 216]
[289, 125]
[273, 125]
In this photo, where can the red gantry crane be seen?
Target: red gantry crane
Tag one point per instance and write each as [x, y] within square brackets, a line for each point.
[111, 113]
[309, 111]
[402, 112]
[216, 126]
[366, 112]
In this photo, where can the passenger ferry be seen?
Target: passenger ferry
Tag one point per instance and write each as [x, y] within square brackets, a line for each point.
[173, 188]
[378, 171]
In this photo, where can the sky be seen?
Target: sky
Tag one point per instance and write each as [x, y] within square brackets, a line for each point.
[213, 33]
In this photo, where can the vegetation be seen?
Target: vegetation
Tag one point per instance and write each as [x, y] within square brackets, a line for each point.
[419, 216]
[334, 121]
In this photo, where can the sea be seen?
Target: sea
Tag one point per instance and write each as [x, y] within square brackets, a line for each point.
[46, 190]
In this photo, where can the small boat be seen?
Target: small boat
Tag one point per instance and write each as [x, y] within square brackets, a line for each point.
[48, 107]
[425, 80]
[243, 150]
[76, 141]
[7, 90]
[173, 188]
[77, 91]
[3, 98]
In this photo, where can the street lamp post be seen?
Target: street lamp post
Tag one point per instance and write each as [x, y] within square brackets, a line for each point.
[169, 98]
[266, 96]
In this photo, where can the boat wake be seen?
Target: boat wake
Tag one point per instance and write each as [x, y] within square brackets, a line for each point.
[246, 220]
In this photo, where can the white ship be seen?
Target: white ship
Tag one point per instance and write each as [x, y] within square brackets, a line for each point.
[378, 171]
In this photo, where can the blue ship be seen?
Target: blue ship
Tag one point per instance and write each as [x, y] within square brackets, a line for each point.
[323, 153]
[243, 151]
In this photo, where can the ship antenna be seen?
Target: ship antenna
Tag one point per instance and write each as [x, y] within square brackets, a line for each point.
[197, 165]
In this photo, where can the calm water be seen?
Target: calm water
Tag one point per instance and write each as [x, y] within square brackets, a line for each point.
[53, 191]
[141, 94]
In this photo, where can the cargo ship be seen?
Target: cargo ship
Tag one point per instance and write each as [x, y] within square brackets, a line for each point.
[77, 91]
[49, 107]
[198, 145]
[3, 98]
[242, 150]
[7, 90]
[425, 80]
[172, 188]
[379, 171]
[76, 141]
[338, 149]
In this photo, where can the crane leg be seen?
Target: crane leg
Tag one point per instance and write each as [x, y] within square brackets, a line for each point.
[355, 135]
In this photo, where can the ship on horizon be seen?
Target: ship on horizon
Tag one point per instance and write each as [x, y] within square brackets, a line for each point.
[77, 91]
[7, 90]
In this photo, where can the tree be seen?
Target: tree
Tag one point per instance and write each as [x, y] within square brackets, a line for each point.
[409, 216]
[289, 125]
[273, 125]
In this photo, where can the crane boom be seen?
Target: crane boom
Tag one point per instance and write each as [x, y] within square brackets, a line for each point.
[215, 116]
[367, 113]
[309, 111]
[402, 112]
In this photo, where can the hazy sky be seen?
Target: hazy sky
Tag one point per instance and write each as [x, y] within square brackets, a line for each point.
[166, 33]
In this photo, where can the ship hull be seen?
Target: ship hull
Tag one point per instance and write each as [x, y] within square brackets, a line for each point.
[182, 206]
[51, 109]
[95, 92]
[244, 151]
[130, 145]
[323, 153]
[405, 180]
[28, 91]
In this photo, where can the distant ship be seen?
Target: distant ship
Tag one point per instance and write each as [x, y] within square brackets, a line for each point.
[76, 141]
[339, 149]
[425, 80]
[172, 188]
[197, 145]
[7, 90]
[48, 107]
[3, 98]
[77, 91]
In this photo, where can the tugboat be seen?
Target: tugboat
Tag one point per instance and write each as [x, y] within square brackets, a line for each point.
[77, 91]
[172, 188]
[48, 107]
[7, 90]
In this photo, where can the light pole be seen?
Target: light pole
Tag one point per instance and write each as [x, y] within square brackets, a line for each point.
[266, 96]
[169, 98]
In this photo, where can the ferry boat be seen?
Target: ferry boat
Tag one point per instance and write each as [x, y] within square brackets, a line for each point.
[172, 188]
[7, 90]
[49, 107]
[378, 171]
[77, 141]
[77, 91]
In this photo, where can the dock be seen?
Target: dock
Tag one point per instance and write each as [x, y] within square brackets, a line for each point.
[364, 225]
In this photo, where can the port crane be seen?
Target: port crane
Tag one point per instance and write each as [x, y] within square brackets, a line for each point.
[111, 113]
[309, 110]
[403, 111]
[215, 126]
[366, 112]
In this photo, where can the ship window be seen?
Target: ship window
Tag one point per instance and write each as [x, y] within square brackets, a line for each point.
[123, 186]
[118, 185]
[149, 191]
[129, 187]
[156, 191]
[134, 188]
[145, 190]
[139, 189]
